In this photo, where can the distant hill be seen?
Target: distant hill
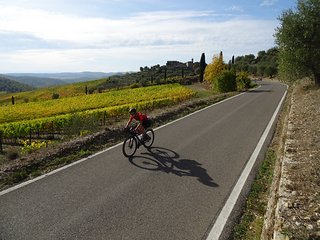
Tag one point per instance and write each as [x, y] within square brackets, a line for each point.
[71, 77]
[51, 79]
[36, 82]
[11, 86]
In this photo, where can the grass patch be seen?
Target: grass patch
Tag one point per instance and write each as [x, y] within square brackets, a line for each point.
[2, 159]
[251, 223]
[17, 177]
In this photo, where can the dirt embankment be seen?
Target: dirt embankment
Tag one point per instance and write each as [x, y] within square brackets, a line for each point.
[297, 212]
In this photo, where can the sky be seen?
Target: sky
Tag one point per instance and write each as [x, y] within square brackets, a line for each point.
[123, 35]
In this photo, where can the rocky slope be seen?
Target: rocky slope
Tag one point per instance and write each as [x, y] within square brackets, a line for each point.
[297, 213]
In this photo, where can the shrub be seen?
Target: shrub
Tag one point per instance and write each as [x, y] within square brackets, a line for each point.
[12, 154]
[135, 85]
[55, 95]
[243, 81]
[35, 145]
[226, 81]
[17, 177]
[91, 90]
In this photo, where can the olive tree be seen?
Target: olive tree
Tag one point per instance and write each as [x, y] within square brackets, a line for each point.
[298, 39]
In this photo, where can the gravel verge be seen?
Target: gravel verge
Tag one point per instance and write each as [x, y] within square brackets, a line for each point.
[297, 213]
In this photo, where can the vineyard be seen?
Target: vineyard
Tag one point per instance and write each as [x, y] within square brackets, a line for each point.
[78, 114]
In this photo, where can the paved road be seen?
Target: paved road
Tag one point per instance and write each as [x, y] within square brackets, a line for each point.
[174, 191]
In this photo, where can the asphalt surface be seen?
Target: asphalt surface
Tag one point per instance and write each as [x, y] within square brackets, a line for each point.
[173, 191]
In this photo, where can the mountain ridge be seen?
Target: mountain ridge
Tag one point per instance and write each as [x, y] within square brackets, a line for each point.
[9, 85]
[38, 80]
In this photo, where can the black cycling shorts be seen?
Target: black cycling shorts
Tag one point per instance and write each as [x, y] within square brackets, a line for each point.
[147, 123]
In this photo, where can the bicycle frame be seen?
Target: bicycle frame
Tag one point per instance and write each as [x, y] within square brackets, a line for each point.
[133, 141]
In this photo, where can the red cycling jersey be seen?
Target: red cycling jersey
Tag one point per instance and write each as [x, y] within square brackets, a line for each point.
[139, 117]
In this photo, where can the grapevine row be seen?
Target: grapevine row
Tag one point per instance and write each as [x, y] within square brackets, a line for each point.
[60, 122]
[50, 108]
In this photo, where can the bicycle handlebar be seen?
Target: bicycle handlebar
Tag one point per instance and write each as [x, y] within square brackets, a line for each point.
[131, 130]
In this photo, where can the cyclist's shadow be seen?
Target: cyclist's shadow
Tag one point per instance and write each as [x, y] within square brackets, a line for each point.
[168, 161]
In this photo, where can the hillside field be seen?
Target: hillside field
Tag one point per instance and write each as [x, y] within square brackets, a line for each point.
[17, 119]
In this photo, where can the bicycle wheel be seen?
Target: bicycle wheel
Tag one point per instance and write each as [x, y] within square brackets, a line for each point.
[129, 146]
[150, 138]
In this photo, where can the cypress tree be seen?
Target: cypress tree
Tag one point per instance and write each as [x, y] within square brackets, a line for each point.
[202, 67]
[221, 56]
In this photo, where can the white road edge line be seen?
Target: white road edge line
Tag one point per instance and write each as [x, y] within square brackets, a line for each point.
[105, 150]
[219, 224]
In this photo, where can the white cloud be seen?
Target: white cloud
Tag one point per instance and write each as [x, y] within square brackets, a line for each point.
[142, 28]
[103, 44]
[235, 8]
[51, 26]
[268, 2]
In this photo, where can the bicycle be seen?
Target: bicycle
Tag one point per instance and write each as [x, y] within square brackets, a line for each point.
[134, 141]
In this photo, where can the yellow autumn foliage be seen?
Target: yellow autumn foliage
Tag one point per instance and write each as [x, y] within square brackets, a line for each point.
[213, 69]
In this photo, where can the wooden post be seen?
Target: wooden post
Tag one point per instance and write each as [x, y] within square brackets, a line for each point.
[1, 149]
[30, 135]
[52, 129]
[12, 100]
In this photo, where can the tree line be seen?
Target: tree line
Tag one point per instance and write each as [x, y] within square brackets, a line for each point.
[295, 56]
[8, 85]
[265, 64]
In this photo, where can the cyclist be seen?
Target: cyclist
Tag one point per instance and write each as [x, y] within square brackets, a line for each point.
[143, 122]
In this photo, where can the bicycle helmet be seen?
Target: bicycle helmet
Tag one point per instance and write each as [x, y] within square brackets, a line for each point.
[132, 111]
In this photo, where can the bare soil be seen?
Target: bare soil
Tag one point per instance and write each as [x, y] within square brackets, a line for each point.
[298, 207]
